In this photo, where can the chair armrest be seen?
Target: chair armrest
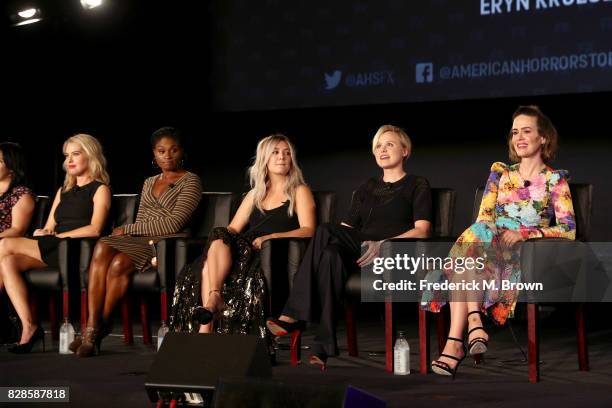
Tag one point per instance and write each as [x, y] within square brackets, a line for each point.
[85, 255]
[554, 239]
[186, 250]
[63, 261]
[281, 257]
[165, 253]
[68, 262]
[436, 245]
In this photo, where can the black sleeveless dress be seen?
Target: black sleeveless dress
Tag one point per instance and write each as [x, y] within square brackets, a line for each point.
[74, 210]
[244, 291]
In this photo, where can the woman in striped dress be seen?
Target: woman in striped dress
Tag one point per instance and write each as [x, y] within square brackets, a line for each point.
[166, 204]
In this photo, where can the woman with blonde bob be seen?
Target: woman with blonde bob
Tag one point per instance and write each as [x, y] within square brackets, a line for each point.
[79, 210]
[228, 277]
[394, 205]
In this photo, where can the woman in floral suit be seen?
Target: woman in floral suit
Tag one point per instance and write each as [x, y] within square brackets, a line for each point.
[520, 202]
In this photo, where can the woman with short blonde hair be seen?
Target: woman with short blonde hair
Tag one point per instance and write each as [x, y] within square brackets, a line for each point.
[96, 160]
[79, 210]
[394, 205]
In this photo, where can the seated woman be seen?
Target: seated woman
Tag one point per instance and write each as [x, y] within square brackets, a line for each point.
[16, 199]
[16, 209]
[227, 277]
[392, 206]
[166, 203]
[519, 203]
[79, 210]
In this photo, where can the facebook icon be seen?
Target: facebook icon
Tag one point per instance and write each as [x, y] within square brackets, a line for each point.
[424, 72]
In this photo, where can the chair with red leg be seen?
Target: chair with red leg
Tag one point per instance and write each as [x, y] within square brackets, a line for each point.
[62, 280]
[214, 210]
[443, 204]
[540, 255]
[280, 260]
[123, 211]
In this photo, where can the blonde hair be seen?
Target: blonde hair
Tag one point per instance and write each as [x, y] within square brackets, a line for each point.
[401, 133]
[97, 162]
[258, 172]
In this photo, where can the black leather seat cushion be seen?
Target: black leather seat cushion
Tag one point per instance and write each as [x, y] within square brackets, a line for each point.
[44, 279]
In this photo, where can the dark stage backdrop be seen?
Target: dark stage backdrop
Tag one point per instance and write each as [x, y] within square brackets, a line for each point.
[137, 66]
[320, 53]
[454, 145]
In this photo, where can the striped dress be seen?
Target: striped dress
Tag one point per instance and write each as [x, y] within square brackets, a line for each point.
[157, 218]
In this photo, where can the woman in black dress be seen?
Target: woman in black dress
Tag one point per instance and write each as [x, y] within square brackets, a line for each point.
[79, 210]
[227, 278]
[396, 205]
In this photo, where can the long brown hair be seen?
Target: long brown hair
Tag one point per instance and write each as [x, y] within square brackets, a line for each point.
[545, 129]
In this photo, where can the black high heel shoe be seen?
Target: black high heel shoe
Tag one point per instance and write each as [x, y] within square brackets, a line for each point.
[202, 315]
[281, 328]
[477, 345]
[25, 348]
[442, 368]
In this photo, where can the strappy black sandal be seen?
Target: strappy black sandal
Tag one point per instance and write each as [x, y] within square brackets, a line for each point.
[477, 345]
[442, 368]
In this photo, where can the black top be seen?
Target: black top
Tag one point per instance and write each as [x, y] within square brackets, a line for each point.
[381, 210]
[274, 220]
[76, 207]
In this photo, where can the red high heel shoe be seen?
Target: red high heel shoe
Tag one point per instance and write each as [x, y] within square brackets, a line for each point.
[281, 328]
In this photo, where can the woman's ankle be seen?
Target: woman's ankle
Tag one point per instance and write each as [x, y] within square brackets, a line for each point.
[287, 319]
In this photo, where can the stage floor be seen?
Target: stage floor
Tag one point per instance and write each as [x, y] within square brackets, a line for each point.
[116, 377]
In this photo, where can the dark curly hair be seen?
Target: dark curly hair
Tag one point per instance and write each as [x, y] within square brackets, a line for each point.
[15, 162]
[169, 132]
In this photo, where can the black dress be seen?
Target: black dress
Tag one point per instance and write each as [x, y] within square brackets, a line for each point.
[379, 210]
[74, 210]
[244, 290]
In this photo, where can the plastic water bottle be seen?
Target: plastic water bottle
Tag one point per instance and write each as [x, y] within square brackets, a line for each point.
[401, 355]
[66, 336]
[163, 329]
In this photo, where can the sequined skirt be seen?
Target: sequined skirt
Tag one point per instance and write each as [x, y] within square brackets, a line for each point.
[244, 291]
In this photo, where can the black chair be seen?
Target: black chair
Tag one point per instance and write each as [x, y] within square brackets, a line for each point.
[52, 280]
[214, 210]
[123, 211]
[582, 200]
[41, 210]
[443, 205]
[281, 257]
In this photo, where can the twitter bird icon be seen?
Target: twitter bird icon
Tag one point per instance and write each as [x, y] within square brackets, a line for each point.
[333, 80]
